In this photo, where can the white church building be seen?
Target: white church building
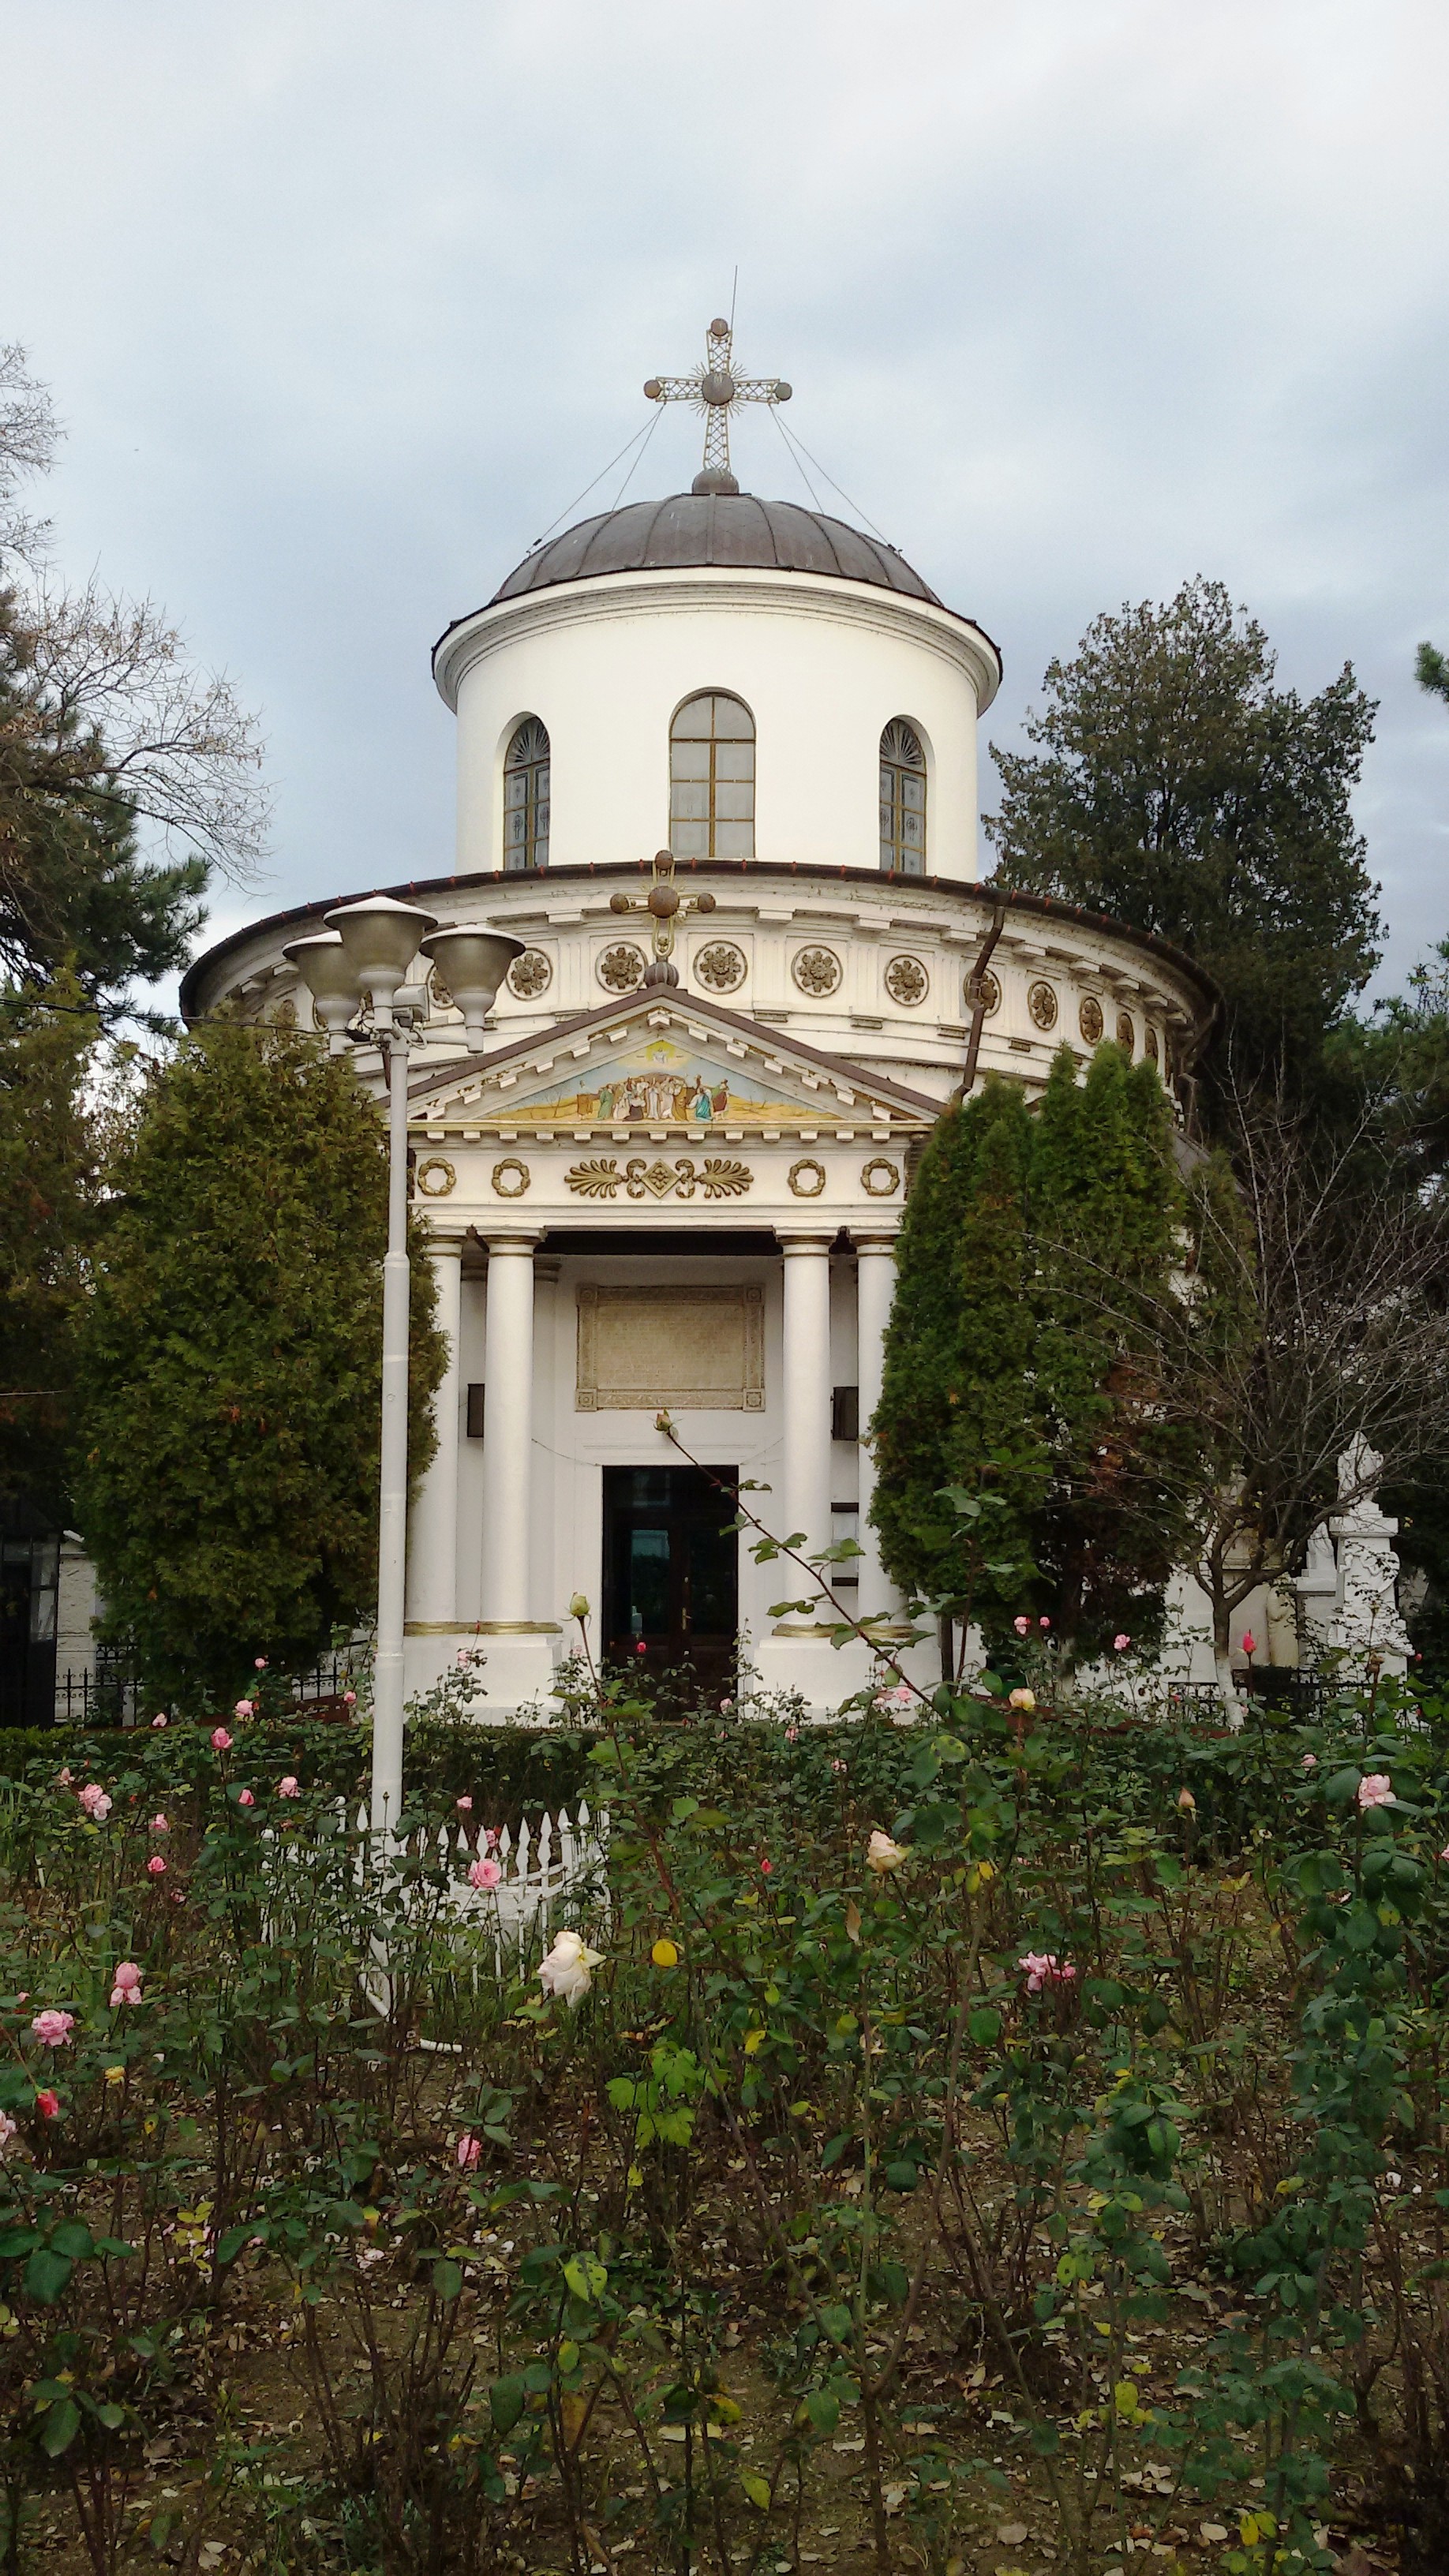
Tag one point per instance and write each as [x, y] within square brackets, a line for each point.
[673, 1178]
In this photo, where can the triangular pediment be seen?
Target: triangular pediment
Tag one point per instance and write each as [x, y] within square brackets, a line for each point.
[665, 1060]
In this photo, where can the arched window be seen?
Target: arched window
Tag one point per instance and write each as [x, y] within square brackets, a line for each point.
[712, 780]
[525, 797]
[902, 800]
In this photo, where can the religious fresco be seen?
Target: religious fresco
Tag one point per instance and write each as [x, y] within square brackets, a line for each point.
[655, 1083]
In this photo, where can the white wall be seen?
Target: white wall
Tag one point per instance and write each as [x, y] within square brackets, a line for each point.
[822, 666]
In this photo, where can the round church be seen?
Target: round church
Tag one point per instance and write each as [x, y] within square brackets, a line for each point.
[717, 772]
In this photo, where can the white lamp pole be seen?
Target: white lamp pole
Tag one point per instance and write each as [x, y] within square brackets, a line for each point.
[370, 949]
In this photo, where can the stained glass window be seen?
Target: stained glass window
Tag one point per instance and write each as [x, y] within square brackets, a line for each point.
[525, 797]
[712, 779]
[902, 801]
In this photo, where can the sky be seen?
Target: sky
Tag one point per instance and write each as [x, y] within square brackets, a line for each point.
[342, 303]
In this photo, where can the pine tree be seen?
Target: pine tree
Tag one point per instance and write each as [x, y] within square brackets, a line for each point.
[231, 1362]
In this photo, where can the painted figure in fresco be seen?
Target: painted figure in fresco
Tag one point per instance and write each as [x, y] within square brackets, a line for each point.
[606, 1101]
[701, 1106]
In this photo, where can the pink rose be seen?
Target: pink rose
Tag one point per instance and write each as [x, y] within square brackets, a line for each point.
[837, 1764]
[220, 1740]
[243, 1708]
[1022, 1625]
[489, 1837]
[289, 1787]
[469, 2151]
[156, 1867]
[159, 1825]
[767, 1869]
[1187, 1802]
[464, 1806]
[1043, 1623]
[792, 1734]
[48, 2105]
[1250, 1642]
[245, 1798]
[126, 1988]
[260, 1664]
[1376, 1789]
[158, 1721]
[53, 2029]
[1310, 1762]
[8, 2129]
[1444, 1855]
[1044, 1968]
[65, 1779]
[725, 1706]
[640, 1646]
[349, 1699]
[485, 1873]
[95, 1802]
[1121, 1642]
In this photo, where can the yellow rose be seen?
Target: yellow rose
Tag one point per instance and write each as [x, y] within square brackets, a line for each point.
[664, 1955]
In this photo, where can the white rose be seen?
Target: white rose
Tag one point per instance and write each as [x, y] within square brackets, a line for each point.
[568, 1969]
[882, 1855]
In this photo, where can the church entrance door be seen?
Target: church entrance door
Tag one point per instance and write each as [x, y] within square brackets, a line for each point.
[671, 1571]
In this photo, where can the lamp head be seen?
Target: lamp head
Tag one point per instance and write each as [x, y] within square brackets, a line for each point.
[321, 961]
[380, 939]
[473, 960]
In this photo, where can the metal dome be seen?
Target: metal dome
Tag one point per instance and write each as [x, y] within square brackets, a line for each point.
[728, 529]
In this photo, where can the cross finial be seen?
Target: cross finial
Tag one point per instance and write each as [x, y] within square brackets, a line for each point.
[714, 389]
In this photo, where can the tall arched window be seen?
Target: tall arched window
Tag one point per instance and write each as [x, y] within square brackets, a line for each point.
[712, 780]
[902, 800]
[525, 797]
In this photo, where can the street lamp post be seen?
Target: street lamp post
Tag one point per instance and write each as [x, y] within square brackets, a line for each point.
[369, 949]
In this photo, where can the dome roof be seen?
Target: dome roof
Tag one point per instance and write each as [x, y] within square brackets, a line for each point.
[731, 529]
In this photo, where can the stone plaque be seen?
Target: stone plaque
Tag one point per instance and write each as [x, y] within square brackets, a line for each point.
[642, 1350]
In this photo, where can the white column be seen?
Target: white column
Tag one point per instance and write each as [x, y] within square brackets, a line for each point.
[507, 1430]
[875, 1288]
[433, 1522]
[806, 1394]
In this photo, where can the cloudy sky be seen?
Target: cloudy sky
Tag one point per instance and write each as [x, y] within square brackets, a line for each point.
[342, 301]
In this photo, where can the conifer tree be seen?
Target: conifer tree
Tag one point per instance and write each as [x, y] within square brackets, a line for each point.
[957, 1406]
[231, 1362]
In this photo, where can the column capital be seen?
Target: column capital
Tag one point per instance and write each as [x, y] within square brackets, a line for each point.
[501, 1245]
[445, 1247]
[874, 1240]
[792, 1242]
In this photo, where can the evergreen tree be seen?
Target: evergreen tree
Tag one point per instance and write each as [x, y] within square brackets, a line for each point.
[231, 1361]
[47, 1214]
[1105, 1213]
[957, 1408]
[1176, 787]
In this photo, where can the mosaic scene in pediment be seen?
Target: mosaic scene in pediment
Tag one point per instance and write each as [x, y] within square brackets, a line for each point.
[657, 1083]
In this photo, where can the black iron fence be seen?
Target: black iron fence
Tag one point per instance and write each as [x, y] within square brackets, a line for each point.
[107, 1693]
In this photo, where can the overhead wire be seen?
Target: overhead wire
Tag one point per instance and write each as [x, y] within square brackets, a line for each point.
[794, 442]
[618, 501]
[645, 433]
[799, 468]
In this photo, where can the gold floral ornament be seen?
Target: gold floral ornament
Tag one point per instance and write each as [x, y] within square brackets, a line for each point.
[530, 975]
[817, 971]
[720, 967]
[807, 1178]
[510, 1177]
[621, 968]
[718, 1177]
[1041, 1001]
[984, 988]
[435, 1177]
[1090, 1020]
[880, 1178]
[906, 981]
[1126, 1033]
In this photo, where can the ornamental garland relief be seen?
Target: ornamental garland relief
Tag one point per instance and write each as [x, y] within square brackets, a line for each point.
[435, 1177]
[807, 1178]
[719, 966]
[880, 1178]
[511, 1177]
[817, 971]
[906, 981]
[1041, 1001]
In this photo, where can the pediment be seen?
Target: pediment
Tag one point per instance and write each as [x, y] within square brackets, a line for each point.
[665, 1062]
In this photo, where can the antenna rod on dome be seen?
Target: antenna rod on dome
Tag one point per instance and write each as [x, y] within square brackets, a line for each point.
[713, 389]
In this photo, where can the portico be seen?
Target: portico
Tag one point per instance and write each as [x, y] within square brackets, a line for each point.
[743, 1293]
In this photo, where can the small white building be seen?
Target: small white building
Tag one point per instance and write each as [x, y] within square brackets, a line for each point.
[673, 1182]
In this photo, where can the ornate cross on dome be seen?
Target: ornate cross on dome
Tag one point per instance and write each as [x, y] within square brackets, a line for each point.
[714, 389]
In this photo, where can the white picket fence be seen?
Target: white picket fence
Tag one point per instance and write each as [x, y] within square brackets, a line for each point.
[541, 1863]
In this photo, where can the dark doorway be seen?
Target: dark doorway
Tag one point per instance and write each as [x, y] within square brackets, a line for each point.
[671, 1570]
[29, 1571]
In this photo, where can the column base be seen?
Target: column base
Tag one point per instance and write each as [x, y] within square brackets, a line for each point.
[516, 1675]
[798, 1656]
